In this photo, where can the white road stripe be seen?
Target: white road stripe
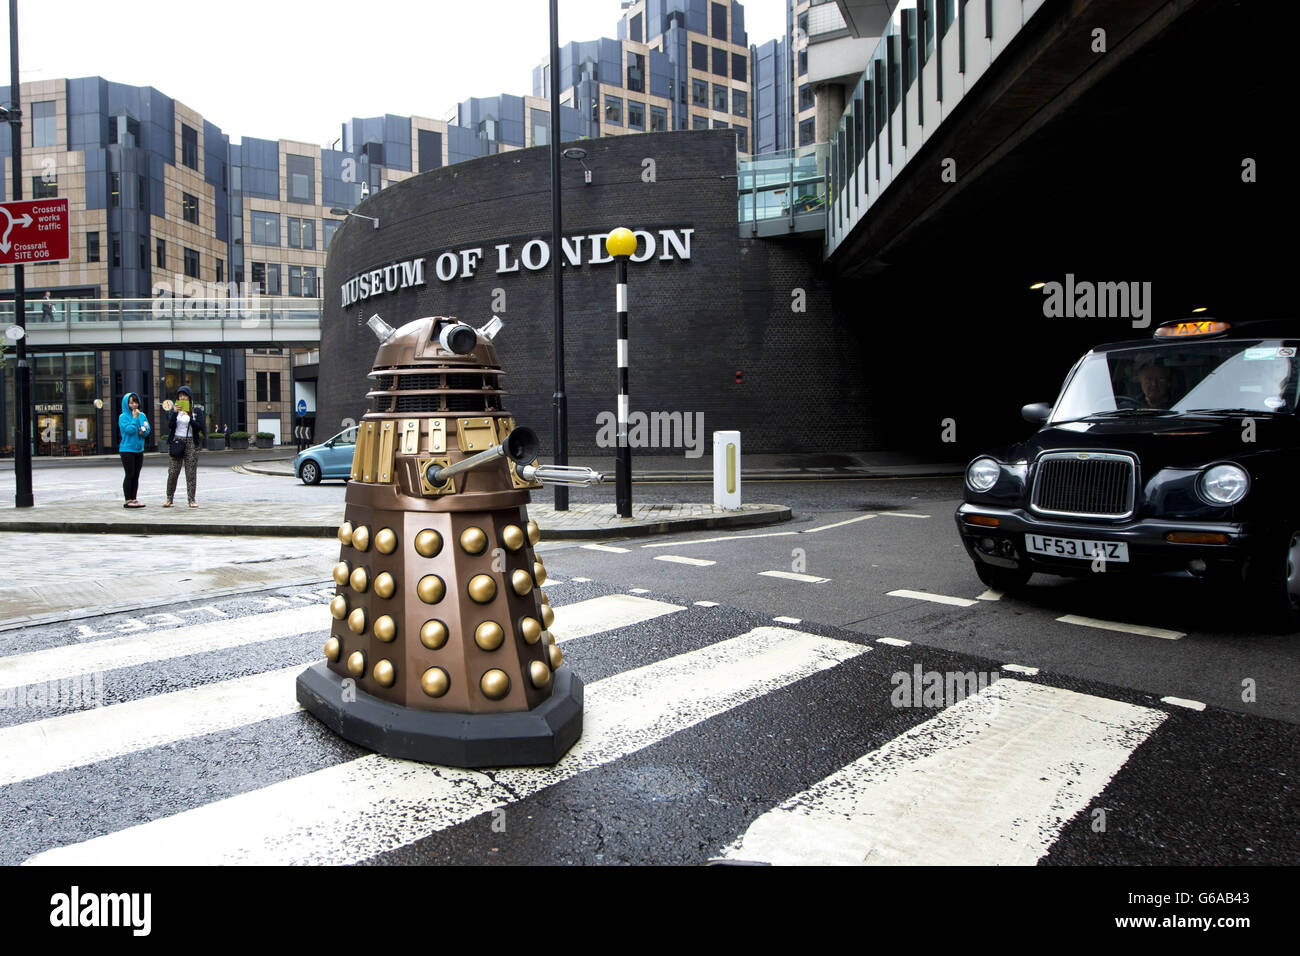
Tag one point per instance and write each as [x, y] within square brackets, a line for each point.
[989, 595]
[74, 740]
[838, 524]
[609, 548]
[678, 559]
[706, 603]
[579, 580]
[725, 537]
[991, 780]
[792, 576]
[1141, 629]
[934, 598]
[146, 646]
[902, 514]
[638, 590]
[1183, 702]
[788, 620]
[893, 641]
[605, 614]
[364, 807]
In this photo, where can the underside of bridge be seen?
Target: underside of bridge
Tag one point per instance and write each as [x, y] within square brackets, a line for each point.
[1133, 169]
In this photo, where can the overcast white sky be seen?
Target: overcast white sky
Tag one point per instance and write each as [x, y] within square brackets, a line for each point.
[296, 69]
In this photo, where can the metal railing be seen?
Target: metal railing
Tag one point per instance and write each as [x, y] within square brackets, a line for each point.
[787, 185]
[75, 321]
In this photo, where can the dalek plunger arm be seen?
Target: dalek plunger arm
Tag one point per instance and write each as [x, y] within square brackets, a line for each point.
[521, 447]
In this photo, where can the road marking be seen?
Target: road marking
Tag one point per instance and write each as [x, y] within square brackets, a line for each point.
[1020, 669]
[88, 736]
[605, 614]
[638, 590]
[116, 652]
[1141, 629]
[893, 641]
[725, 537]
[579, 580]
[678, 559]
[706, 603]
[1183, 702]
[935, 598]
[788, 620]
[605, 547]
[791, 576]
[990, 595]
[902, 514]
[838, 524]
[991, 780]
[356, 810]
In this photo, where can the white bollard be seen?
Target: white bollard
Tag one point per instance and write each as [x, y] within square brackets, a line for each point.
[726, 470]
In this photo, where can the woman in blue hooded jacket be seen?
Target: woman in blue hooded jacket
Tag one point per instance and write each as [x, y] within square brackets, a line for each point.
[132, 426]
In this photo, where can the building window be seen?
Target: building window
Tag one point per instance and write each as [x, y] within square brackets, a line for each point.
[658, 119]
[721, 124]
[328, 228]
[719, 31]
[699, 93]
[275, 387]
[807, 132]
[739, 67]
[295, 281]
[720, 98]
[719, 62]
[144, 254]
[740, 102]
[806, 100]
[192, 263]
[634, 29]
[636, 73]
[189, 208]
[292, 223]
[803, 62]
[699, 122]
[221, 271]
[116, 253]
[114, 190]
[302, 178]
[699, 57]
[803, 23]
[742, 139]
[92, 247]
[45, 187]
[614, 110]
[44, 128]
[141, 190]
[266, 278]
[262, 391]
[189, 147]
[302, 233]
[635, 115]
[266, 228]
[160, 254]
[309, 282]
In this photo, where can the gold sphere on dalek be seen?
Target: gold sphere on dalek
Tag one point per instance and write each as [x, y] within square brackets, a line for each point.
[437, 648]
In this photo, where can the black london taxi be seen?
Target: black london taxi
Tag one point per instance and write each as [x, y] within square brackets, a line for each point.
[1179, 452]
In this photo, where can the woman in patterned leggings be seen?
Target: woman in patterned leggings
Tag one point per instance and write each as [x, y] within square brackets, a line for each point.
[185, 423]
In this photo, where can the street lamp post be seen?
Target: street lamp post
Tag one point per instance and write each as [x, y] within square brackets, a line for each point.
[557, 280]
[22, 380]
[620, 244]
[340, 211]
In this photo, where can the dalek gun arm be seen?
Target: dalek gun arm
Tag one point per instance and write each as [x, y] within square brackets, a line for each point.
[521, 447]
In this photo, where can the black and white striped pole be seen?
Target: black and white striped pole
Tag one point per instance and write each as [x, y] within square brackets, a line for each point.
[621, 244]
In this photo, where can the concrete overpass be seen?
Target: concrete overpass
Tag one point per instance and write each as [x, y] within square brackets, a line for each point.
[256, 322]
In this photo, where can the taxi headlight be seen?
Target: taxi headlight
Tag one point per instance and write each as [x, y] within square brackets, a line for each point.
[1224, 484]
[982, 474]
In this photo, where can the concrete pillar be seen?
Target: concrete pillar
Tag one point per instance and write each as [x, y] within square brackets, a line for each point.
[830, 107]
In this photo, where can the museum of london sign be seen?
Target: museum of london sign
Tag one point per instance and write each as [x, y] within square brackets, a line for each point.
[534, 255]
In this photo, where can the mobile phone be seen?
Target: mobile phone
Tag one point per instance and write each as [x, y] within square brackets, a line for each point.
[183, 404]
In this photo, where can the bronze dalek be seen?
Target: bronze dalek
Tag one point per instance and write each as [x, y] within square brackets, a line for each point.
[439, 648]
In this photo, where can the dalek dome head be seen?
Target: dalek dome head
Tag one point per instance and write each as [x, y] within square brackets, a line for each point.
[435, 364]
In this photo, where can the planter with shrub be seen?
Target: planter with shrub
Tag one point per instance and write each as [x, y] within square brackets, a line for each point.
[239, 440]
[216, 442]
[265, 440]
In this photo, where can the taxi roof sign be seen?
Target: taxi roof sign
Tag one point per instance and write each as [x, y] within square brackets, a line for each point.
[1192, 328]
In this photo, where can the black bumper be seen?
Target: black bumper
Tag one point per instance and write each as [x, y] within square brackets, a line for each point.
[1149, 551]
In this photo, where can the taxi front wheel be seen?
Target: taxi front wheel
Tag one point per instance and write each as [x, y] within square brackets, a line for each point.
[1274, 579]
[1003, 579]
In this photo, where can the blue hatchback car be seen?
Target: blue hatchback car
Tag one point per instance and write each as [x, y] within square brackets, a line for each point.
[329, 459]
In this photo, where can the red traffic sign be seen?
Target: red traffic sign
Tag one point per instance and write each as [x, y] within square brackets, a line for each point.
[34, 231]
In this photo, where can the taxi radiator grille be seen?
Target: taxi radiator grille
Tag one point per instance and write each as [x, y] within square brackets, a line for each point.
[1085, 487]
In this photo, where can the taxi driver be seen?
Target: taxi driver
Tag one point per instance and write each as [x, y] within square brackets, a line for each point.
[1156, 385]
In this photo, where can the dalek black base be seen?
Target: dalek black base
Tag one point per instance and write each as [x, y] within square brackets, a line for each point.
[536, 737]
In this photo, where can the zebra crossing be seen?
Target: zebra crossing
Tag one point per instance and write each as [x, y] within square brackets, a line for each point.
[740, 737]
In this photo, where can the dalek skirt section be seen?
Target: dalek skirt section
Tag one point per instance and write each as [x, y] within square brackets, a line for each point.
[439, 647]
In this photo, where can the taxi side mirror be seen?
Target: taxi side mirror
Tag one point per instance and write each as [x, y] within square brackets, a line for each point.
[1037, 413]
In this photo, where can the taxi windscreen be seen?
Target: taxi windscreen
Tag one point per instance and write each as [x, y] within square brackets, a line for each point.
[1245, 376]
